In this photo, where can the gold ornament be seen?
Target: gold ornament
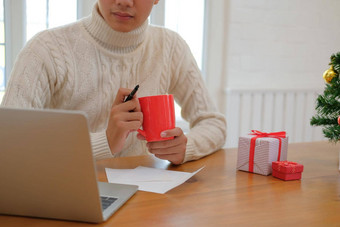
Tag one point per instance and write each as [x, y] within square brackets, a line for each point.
[329, 74]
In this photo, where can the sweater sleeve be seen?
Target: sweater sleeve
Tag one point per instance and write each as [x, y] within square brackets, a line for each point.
[35, 79]
[207, 126]
[30, 80]
[100, 145]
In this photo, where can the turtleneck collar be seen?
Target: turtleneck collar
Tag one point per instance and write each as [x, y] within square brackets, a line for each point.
[121, 42]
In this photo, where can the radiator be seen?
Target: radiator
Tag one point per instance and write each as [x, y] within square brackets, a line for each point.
[271, 111]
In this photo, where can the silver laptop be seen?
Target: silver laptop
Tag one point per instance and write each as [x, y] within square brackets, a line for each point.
[47, 168]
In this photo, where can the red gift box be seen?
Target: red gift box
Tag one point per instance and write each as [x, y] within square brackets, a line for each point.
[286, 170]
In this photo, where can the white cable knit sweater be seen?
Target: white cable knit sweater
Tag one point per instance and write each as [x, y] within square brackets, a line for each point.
[81, 66]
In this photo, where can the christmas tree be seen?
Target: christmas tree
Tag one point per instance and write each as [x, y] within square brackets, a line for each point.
[328, 103]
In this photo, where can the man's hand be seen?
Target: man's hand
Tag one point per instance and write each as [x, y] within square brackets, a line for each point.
[124, 118]
[172, 150]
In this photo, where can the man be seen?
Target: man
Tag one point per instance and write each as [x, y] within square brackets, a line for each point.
[91, 65]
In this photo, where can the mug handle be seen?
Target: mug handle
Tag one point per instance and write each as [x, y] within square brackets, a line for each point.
[142, 132]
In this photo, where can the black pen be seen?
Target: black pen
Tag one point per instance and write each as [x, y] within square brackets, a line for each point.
[133, 92]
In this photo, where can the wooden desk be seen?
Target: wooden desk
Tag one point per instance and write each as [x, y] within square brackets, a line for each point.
[221, 196]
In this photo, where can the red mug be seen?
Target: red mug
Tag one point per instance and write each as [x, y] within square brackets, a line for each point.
[158, 116]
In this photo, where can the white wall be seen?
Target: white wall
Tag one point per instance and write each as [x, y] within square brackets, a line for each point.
[280, 43]
[281, 46]
[269, 44]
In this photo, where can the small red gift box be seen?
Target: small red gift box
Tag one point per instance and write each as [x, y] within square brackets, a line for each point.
[286, 170]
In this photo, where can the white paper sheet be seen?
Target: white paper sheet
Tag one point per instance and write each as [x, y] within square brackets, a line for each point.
[149, 179]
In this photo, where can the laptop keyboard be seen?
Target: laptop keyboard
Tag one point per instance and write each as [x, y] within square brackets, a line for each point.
[107, 201]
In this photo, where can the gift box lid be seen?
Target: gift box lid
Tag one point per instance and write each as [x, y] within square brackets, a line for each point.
[287, 167]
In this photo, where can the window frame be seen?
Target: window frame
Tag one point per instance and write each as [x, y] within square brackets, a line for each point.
[14, 27]
[3, 44]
